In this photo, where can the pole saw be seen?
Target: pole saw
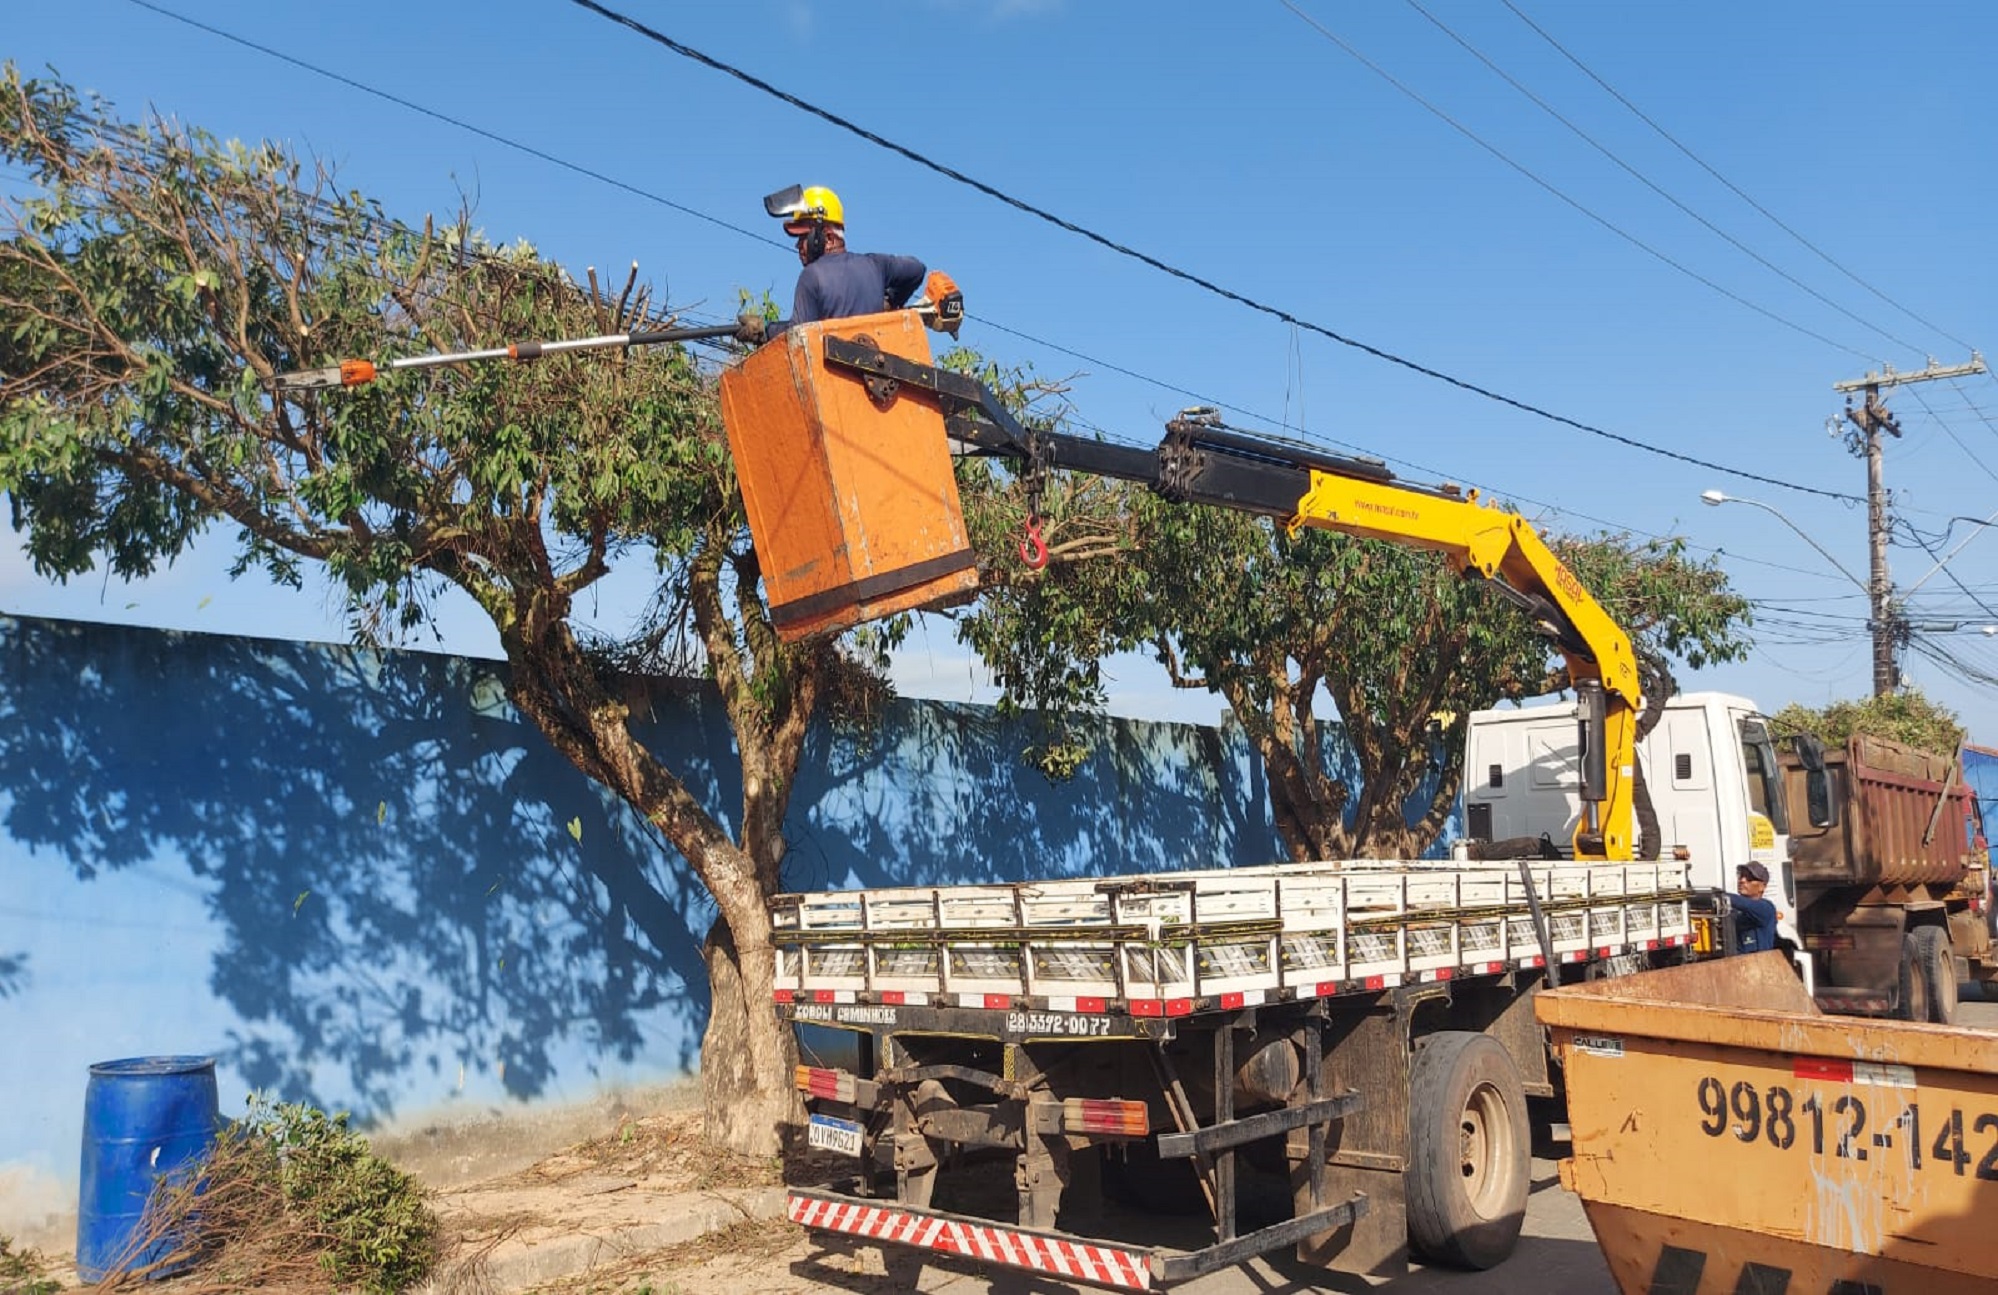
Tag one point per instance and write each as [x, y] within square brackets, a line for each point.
[355, 373]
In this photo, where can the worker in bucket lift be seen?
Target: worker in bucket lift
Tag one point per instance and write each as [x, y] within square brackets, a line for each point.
[1755, 917]
[836, 283]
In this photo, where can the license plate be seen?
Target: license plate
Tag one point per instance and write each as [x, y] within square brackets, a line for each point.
[834, 1134]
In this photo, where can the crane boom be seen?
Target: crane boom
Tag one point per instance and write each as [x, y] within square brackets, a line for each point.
[1202, 461]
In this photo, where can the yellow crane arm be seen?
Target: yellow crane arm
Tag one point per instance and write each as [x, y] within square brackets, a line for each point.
[1490, 543]
[1200, 461]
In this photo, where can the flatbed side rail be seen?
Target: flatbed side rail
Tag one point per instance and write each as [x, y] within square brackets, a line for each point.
[1241, 934]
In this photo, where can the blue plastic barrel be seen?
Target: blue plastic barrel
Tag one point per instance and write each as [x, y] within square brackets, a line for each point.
[143, 1118]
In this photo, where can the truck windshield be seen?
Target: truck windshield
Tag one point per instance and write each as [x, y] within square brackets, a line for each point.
[1765, 782]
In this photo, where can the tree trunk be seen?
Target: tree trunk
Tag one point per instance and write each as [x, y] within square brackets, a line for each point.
[748, 1052]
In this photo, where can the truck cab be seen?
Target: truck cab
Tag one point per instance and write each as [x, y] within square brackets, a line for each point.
[1710, 766]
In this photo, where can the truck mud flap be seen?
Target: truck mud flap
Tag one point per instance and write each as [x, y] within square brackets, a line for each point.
[1072, 1258]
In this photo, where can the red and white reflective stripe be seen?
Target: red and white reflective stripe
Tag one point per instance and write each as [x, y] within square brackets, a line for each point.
[990, 1002]
[1101, 1265]
[904, 998]
[1437, 973]
[1161, 1006]
[1078, 1004]
[1247, 998]
[785, 995]
[1388, 981]
[1575, 955]
[1874, 1073]
[1488, 969]
[832, 995]
[1535, 961]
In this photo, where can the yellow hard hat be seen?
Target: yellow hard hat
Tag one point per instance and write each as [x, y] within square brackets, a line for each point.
[801, 205]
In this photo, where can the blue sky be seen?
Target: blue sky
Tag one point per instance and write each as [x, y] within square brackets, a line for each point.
[1422, 205]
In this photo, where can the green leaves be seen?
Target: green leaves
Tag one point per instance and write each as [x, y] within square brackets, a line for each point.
[1907, 717]
[1296, 632]
[151, 293]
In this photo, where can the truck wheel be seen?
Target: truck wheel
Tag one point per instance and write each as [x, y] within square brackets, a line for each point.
[1468, 1151]
[1913, 984]
[1937, 963]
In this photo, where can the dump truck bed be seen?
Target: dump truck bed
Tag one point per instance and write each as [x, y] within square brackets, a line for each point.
[1728, 1137]
[1172, 943]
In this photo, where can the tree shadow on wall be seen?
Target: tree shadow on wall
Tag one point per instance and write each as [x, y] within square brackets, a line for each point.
[942, 794]
[13, 974]
[406, 877]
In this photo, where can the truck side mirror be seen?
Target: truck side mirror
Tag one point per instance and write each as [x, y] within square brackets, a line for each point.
[1819, 804]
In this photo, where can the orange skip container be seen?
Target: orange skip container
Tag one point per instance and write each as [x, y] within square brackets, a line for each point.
[851, 499]
[1729, 1138]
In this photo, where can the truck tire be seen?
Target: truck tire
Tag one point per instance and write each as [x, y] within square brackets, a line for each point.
[1469, 1148]
[1913, 984]
[1937, 963]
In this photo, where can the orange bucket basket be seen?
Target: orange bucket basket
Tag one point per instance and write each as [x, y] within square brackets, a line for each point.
[851, 498]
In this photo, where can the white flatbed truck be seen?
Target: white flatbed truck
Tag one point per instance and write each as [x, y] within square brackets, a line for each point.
[1359, 1032]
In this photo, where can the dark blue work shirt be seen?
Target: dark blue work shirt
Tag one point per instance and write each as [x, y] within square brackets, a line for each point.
[1754, 923]
[840, 284]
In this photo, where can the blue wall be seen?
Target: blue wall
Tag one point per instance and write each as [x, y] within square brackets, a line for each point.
[1980, 770]
[352, 878]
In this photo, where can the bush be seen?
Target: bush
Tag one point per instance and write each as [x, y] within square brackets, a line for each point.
[291, 1199]
[381, 1236]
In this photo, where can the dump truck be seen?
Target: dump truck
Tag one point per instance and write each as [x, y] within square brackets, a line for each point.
[1333, 1057]
[1874, 849]
[1727, 1137]
[1892, 876]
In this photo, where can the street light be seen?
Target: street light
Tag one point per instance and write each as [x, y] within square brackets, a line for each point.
[1886, 627]
[1715, 498]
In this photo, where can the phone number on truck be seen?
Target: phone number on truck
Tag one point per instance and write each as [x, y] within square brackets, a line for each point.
[1846, 1129]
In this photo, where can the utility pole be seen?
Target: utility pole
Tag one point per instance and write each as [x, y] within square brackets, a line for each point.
[1869, 420]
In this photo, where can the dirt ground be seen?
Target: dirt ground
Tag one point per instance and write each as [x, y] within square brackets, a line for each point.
[646, 1208]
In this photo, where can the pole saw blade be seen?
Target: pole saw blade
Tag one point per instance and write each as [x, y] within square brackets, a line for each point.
[347, 373]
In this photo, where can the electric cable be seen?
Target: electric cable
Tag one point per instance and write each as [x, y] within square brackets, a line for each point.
[1208, 285]
[564, 163]
[447, 119]
[1697, 160]
[1652, 185]
[1555, 191]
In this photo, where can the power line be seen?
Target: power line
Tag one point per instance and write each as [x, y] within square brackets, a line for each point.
[1951, 433]
[951, 173]
[1556, 192]
[1942, 565]
[1218, 403]
[1738, 192]
[461, 124]
[1652, 185]
[650, 196]
[1131, 373]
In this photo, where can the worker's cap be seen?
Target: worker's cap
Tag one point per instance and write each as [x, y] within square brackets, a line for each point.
[802, 206]
[1752, 872]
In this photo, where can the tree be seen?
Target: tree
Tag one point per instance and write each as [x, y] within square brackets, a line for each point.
[155, 286]
[1907, 717]
[1281, 624]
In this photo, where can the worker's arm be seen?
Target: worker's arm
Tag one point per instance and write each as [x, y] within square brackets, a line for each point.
[806, 307]
[902, 275]
[1763, 911]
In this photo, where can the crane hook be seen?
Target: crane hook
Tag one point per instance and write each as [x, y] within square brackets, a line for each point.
[1034, 549]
